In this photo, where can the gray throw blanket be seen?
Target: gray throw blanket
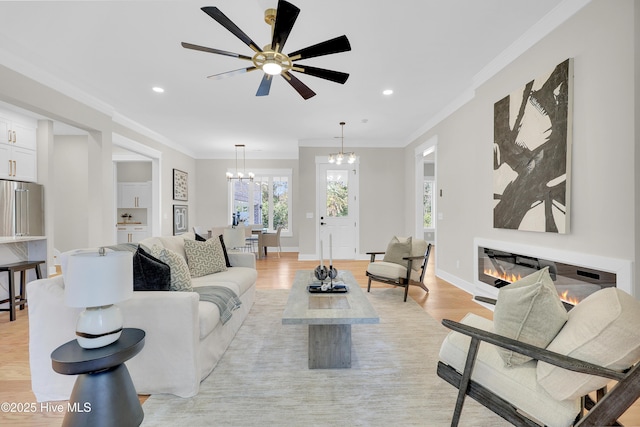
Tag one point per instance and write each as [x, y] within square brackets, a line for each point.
[225, 298]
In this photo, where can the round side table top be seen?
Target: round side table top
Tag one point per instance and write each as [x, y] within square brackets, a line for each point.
[71, 359]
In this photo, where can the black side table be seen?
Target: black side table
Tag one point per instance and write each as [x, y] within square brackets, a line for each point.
[103, 394]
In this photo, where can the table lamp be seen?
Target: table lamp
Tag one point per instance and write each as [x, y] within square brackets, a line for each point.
[96, 281]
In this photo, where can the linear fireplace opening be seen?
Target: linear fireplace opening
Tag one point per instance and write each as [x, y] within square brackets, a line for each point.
[575, 275]
[573, 282]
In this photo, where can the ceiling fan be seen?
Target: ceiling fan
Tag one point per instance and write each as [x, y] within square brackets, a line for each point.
[270, 59]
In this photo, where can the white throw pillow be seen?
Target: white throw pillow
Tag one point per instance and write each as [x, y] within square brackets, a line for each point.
[603, 329]
[528, 310]
[204, 258]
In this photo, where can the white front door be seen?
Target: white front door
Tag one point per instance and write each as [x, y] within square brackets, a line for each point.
[338, 210]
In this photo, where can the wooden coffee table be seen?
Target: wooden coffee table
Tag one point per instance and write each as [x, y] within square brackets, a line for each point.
[329, 317]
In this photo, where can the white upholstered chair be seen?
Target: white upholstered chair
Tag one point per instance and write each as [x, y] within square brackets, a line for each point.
[404, 264]
[599, 342]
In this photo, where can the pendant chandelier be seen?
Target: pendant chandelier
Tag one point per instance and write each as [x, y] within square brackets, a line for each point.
[240, 176]
[338, 158]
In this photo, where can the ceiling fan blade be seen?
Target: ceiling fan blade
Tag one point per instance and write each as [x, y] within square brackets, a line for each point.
[222, 19]
[337, 45]
[285, 18]
[334, 76]
[300, 87]
[216, 51]
[231, 73]
[265, 85]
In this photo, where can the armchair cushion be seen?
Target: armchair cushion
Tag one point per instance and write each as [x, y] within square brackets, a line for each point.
[528, 310]
[602, 329]
[391, 270]
[398, 249]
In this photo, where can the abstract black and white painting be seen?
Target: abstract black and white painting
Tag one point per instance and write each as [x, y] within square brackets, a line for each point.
[532, 154]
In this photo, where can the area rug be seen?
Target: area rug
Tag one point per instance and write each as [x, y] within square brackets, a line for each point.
[263, 378]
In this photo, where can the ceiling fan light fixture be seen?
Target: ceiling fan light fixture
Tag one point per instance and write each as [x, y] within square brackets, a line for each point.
[272, 68]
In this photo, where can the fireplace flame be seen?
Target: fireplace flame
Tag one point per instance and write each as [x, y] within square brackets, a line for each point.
[503, 276]
[564, 296]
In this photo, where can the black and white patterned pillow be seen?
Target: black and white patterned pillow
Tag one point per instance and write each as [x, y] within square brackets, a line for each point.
[180, 276]
[204, 257]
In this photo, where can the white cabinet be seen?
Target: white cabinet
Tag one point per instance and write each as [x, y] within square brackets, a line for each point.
[18, 158]
[132, 233]
[134, 195]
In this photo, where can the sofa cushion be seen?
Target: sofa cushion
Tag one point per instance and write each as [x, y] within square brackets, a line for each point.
[242, 277]
[204, 258]
[516, 385]
[397, 249]
[149, 273]
[528, 310]
[180, 275]
[603, 329]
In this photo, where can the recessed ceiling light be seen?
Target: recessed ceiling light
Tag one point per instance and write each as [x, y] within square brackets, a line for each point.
[158, 89]
[387, 92]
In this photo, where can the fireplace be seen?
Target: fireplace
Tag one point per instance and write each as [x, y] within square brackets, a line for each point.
[575, 275]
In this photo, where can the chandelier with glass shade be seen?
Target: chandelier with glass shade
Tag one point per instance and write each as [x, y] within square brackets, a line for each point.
[240, 176]
[340, 157]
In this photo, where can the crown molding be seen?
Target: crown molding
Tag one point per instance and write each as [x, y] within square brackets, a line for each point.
[533, 35]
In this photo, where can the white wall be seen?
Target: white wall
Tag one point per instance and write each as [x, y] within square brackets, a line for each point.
[601, 40]
[70, 193]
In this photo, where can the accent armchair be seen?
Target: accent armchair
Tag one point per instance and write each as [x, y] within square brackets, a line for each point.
[563, 384]
[404, 264]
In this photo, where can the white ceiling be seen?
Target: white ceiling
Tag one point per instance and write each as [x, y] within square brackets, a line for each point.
[427, 51]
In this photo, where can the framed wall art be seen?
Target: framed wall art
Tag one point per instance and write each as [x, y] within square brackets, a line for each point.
[180, 185]
[532, 154]
[180, 219]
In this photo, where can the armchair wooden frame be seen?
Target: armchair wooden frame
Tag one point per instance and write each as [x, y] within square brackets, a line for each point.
[609, 407]
[402, 281]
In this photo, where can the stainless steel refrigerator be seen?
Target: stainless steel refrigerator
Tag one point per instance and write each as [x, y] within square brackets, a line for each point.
[21, 209]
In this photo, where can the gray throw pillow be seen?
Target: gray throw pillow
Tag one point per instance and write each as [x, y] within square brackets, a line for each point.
[528, 310]
[180, 276]
[204, 258]
[397, 249]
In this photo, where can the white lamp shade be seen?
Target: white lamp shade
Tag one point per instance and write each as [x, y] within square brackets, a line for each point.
[93, 280]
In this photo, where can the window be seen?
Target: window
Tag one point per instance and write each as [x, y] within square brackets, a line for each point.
[427, 199]
[266, 200]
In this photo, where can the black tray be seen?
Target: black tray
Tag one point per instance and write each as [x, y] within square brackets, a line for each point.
[336, 289]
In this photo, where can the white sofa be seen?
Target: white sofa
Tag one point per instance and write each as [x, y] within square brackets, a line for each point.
[184, 340]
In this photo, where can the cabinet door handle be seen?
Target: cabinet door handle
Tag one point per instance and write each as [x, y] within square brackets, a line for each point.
[15, 168]
[15, 138]
[10, 168]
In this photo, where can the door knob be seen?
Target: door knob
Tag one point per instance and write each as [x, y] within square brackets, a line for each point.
[323, 223]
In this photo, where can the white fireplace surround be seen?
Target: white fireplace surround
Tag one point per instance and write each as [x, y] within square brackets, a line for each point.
[621, 267]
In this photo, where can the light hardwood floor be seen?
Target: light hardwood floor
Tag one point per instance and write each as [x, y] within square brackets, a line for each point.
[443, 301]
